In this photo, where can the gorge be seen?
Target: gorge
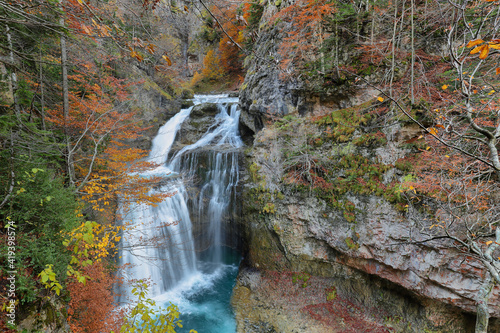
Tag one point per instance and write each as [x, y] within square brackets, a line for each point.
[352, 186]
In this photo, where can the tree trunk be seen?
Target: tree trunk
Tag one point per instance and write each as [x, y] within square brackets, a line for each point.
[185, 57]
[42, 97]
[412, 78]
[65, 86]
[393, 48]
[12, 76]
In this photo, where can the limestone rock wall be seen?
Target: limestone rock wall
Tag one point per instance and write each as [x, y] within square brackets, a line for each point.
[366, 256]
[356, 235]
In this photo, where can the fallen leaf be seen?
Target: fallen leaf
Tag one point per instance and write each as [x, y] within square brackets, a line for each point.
[167, 59]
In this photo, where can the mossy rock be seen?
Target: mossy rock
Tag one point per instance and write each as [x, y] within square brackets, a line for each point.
[187, 94]
[205, 109]
[186, 103]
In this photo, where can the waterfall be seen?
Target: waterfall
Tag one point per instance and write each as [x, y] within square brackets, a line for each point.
[219, 146]
[161, 244]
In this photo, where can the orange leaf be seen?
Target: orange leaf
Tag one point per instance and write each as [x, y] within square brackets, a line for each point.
[474, 42]
[432, 131]
[167, 59]
[136, 55]
[497, 70]
[444, 87]
[380, 99]
[151, 48]
[86, 29]
[484, 51]
[476, 49]
[440, 126]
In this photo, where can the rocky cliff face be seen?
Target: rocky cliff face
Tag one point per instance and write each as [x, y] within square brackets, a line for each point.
[359, 245]
[327, 231]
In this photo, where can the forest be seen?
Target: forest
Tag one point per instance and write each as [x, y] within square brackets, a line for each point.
[343, 102]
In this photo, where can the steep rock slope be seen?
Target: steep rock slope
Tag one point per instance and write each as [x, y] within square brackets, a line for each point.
[324, 212]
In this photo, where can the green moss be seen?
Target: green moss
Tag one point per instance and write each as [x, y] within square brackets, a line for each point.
[371, 140]
[269, 208]
[341, 124]
[351, 244]
[404, 165]
[302, 278]
[150, 84]
[331, 293]
[254, 173]
[187, 94]
[263, 200]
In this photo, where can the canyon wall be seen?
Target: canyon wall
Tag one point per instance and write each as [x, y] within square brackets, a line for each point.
[329, 243]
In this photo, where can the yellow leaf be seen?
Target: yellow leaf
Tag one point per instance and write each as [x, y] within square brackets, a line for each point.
[485, 49]
[151, 48]
[489, 242]
[186, 9]
[167, 59]
[491, 92]
[475, 50]
[475, 42]
[444, 87]
[380, 99]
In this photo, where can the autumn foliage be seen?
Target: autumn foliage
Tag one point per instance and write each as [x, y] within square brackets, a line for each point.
[303, 31]
[98, 125]
[229, 46]
[225, 57]
[92, 307]
[212, 69]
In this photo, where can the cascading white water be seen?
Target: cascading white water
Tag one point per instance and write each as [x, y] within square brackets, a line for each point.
[219, 147]
[161, 245]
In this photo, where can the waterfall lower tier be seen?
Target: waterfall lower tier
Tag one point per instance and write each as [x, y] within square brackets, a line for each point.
[179, 244]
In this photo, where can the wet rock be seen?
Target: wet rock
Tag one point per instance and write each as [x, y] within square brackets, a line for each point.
[186, 103]
[204, 110]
